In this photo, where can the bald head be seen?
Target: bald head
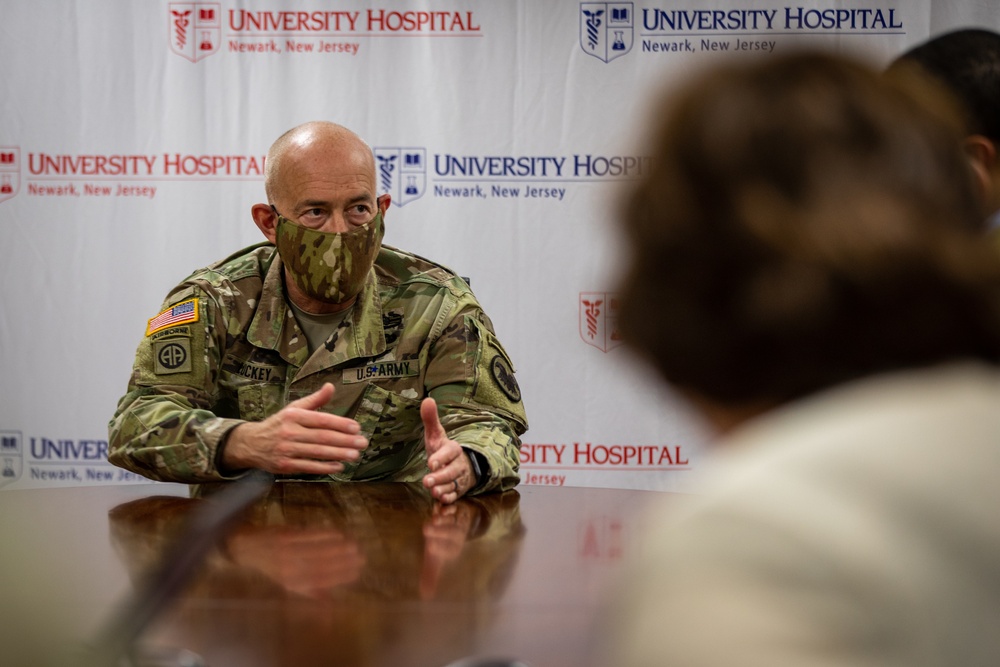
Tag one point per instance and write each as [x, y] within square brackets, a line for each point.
[322, 176]
[303, 146]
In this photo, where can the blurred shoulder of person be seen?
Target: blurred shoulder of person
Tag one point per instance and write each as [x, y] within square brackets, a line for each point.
[806, 267]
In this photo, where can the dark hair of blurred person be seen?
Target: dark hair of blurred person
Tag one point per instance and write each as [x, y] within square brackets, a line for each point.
[967, 63]
[805, 223]
[806, 267]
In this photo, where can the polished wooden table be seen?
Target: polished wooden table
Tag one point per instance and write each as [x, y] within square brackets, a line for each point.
[319, 574]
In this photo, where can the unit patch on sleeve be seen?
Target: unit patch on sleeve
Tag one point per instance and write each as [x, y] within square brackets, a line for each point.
[172, 356]
[182, 313]
[504, 376]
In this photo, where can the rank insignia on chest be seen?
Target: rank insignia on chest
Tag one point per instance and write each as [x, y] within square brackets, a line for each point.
[182, 313]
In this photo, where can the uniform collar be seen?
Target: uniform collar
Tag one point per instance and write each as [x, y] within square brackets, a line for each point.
[274, 326]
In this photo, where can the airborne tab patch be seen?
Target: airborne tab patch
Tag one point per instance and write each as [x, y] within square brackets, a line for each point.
[172, 332]
[182, 313]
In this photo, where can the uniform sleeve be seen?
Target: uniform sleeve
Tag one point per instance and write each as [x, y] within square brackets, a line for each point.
[166, 426]
[479, 402]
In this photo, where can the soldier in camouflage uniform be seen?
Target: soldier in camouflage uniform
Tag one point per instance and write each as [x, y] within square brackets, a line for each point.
[322, 354]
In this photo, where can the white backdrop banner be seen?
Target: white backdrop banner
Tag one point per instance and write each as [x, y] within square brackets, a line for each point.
[132, 147]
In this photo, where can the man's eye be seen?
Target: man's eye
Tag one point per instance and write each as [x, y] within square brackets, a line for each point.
[312, 215]
[359, 214]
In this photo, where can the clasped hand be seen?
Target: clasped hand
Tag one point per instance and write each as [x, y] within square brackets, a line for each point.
[299, 439]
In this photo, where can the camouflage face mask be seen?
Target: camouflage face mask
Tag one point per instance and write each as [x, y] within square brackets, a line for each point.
[329, 266]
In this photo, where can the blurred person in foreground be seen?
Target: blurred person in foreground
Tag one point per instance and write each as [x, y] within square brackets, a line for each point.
[806, 268]
[322, 354]
[967, 63]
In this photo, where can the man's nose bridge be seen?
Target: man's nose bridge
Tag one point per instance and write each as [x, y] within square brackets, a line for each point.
[338, 222]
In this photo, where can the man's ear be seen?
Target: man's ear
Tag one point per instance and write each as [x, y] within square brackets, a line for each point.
[383, 203]
[266, 220]
[982, 153]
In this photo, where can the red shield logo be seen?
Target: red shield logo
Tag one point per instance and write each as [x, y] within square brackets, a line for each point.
[195, 29]
[10, 171]
[599, 320]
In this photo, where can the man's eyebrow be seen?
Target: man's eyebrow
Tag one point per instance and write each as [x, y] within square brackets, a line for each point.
[313, 203]
[365, 198]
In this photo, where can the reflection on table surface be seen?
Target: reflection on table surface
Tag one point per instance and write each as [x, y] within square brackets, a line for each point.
[367, 574]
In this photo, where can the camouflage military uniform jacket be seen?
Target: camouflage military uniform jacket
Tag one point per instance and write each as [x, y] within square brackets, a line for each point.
[228, 349]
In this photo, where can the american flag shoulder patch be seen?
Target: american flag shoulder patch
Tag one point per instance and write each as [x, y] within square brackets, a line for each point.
[182, 313]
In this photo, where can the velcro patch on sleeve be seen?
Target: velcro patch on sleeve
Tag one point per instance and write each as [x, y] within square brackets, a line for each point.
[503, 374]
[182, 313]
[172, 356]
[495, 384]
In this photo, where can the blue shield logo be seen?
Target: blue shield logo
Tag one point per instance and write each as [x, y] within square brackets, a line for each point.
[11, 457]
[402, 173]
[606, 29]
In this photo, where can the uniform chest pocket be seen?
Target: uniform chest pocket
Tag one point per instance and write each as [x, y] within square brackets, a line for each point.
[259, 401]
[391, 423]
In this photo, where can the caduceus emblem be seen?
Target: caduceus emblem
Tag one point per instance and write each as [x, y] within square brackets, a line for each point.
[386, 168]
[181, 22]
[591, 310]
[599, 320]
[593, 22]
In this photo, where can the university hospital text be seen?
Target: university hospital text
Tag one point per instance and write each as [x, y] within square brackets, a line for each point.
[588, 454]
[445, 165]
[170, 164]
[376, 21]
[795, 18]
[675, 31]
[535, 166]
[73, 461]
